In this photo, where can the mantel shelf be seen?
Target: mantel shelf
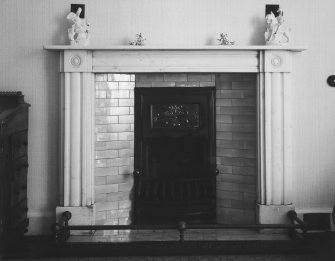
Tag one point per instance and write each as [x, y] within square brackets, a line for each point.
[176, 48]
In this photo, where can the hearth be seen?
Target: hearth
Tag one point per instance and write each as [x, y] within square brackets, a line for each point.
[174, 155]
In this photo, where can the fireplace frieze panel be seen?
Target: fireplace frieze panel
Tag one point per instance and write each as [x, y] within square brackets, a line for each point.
[175, 61]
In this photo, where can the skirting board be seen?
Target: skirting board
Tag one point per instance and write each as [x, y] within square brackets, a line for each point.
[40, 222]
[302, 211]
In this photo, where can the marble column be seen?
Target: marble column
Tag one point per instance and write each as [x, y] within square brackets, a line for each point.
[77, 130]
[274, 139]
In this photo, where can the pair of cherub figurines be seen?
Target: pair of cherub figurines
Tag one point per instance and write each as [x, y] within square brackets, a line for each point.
[277, 33]
[79, 33]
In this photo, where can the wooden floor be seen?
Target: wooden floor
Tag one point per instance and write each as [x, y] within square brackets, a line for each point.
[196, 258]
[313, 247]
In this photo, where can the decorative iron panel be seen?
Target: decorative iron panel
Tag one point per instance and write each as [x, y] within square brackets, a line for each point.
[175, 116]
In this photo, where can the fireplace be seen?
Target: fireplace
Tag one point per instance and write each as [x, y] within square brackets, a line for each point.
[273, 66]
[174, 155]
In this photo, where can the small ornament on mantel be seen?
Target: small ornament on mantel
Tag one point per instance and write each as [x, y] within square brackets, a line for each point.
[277, 33]
[138, 41]
[224, 40]
[79, 33]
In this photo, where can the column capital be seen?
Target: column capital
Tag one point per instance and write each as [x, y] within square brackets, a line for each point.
[76, 61]
[277, 61]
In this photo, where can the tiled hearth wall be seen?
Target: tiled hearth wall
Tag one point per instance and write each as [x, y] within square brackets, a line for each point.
[114, 147]
[236, 141]
[236, 147]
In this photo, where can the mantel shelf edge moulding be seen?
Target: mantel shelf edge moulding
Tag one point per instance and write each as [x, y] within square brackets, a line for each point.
[293, 48]
[273, 65]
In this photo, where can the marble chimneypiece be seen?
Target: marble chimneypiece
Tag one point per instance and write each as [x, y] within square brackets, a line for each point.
[272, 66]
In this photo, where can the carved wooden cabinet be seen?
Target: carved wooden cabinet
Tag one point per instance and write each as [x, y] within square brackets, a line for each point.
[13, 168]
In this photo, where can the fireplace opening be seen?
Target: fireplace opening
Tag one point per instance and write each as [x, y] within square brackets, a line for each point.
[234, 133]
[174, 155]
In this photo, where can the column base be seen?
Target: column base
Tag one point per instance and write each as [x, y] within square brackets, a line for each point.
[273, 214]
[80, 216]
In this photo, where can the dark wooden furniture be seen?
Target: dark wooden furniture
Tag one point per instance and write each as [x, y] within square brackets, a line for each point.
[13, 168]
[175, 166]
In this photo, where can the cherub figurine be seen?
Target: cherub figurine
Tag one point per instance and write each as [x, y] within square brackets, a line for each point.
[224, 40]
[79, 32]
[139, 40]
[277, 33]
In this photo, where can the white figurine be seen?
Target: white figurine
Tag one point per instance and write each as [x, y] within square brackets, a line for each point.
[277, 33]
[138, 41]
[79, 32]
[224, 40]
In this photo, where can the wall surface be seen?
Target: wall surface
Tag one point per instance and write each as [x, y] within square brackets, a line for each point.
[27, 25]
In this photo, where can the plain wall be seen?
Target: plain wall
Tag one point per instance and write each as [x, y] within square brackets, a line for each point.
[26, 25]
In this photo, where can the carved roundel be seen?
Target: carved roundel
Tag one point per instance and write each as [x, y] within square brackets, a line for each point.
[276, 60]
[75, 60]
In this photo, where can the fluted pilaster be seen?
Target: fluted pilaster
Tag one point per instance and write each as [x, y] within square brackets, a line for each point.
[275, 127]
[77, 123]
